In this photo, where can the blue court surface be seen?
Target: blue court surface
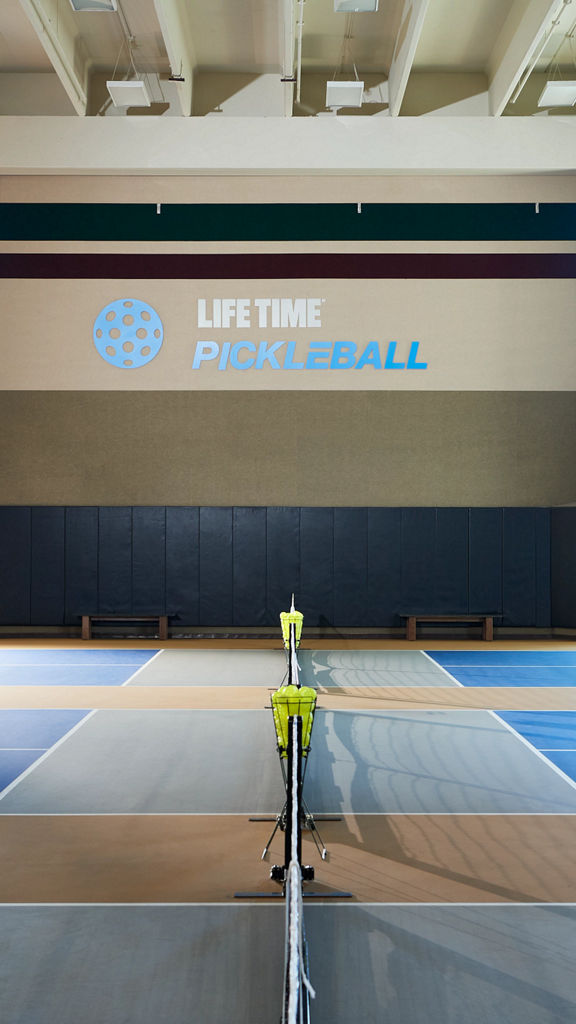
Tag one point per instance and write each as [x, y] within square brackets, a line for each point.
[70, 668]
[503, 659]
[551, 732]
[39, 657]
[26, 735]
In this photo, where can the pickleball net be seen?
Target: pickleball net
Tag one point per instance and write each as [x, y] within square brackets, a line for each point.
[297, 988]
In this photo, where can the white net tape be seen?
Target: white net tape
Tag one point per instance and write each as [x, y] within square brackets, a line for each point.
[297, 979]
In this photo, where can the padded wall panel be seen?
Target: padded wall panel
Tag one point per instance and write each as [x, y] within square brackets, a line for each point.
[451, 561]
[47, 566]
[148, 561]
[418, 543]
[182, 565]
[519, 567]
[249, 564]
[81, 563]
[350, 566]
[115, 561]
[282, 559]
[384, 571]
[485, 560]
[315, 598]
[15, 566]
[563, 567]
[215, 606]
[542, 556]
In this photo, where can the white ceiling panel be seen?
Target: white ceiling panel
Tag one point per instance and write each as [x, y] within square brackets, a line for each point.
[237, 35]
[371, 43]
[459, 35]
[20, 48]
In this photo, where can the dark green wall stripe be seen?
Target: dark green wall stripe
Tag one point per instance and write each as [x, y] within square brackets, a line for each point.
[297, 222]
[287, 266]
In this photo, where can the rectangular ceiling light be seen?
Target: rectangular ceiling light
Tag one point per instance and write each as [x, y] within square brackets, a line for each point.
[94, 5]
[129, 94]
[344, 94]
[558, 94]
[355, 6]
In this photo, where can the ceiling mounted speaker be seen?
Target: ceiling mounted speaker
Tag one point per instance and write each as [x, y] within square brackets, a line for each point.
[344, 94]
[94, 5]
[355, 6]
[558, 94]
[129, 94]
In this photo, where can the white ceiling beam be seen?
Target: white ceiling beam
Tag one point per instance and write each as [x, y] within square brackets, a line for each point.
[519, 43]
[58, 31]
[287, 145]
[179, 43]
[411, 25]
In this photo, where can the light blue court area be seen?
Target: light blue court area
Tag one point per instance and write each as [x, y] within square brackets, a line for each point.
[26, 735]
[509, 668]
[225, 963]
[369, 668]
[203, 762]
[70, 667]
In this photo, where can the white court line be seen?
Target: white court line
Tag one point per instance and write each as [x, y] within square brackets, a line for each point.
[557, 750]
[518, 736]
[474, 665]
[23, 748]
[28, 771]
[142, 667]
[274, 814]
[273, 897]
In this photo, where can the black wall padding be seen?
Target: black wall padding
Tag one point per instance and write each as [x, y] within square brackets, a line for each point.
[563, 546]
[348, 567]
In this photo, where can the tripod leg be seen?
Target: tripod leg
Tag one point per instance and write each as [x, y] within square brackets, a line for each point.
[280, 824]
[274, 831]
[312, 827]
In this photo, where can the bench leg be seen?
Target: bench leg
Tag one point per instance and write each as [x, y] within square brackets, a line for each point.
[488, 628]
[86, 628]
[162, 627]
[411, 627]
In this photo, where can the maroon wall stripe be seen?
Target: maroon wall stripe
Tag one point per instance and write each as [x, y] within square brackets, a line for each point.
[176, 266]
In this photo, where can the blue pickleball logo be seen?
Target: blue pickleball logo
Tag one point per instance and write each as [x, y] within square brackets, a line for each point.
[128, 333]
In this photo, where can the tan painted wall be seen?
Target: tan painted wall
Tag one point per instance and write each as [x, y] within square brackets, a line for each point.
[336, 188]
[309, 448]
[472, 334]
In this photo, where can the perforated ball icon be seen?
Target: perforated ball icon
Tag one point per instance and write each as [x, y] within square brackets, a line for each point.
[128, 333]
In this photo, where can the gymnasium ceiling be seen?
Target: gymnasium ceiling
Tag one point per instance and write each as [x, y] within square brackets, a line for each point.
[416, 57]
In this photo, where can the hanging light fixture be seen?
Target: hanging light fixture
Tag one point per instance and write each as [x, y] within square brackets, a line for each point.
[130, 92]
[558, 94]
[355, 6]
[91, 6]
[345, 93]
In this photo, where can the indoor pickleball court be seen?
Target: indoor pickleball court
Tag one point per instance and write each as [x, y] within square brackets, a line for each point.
[126, 834]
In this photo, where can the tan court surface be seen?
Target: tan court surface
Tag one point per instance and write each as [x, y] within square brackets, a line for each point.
[521, 698]
[206, 858]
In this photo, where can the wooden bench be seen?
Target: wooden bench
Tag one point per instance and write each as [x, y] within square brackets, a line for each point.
[486, 620]
[162, 621]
